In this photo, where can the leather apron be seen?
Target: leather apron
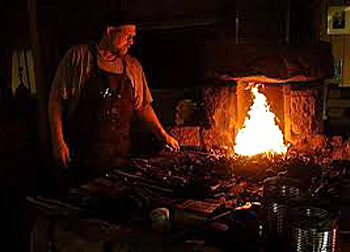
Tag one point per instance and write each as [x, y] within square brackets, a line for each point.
[102, 118]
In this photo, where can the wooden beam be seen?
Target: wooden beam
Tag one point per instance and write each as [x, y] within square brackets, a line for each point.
[338, 54]
[41, 82]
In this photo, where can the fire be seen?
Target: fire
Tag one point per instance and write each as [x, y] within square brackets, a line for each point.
[259, 133]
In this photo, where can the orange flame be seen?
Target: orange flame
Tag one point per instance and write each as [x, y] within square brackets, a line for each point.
[259, 134]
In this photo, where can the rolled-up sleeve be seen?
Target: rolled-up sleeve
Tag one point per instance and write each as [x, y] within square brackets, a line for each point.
[146, 93]
[142, 93]
[67, 77]
[64, 88]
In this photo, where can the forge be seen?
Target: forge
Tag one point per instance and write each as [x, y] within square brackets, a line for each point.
[291, 78]
[296, 107]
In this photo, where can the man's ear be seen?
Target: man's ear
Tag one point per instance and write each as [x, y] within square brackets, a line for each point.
[109, 30]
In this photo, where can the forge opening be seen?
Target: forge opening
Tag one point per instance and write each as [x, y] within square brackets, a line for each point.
[284, 114]
[260, 133]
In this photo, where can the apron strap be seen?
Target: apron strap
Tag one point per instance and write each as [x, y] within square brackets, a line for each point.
[95, 69]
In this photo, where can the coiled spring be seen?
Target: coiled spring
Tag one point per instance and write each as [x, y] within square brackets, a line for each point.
[312, 230]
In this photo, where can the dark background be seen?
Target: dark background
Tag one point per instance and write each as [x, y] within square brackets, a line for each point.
[172, 33]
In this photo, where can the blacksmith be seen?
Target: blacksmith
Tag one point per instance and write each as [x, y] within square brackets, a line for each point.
[103, 87]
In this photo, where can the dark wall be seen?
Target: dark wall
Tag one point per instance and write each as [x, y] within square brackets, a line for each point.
[169, 10]
[14, 22]
[169, 45]
[14, 30]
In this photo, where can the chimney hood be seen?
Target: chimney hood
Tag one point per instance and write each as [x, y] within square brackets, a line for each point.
[268, 63]
[202, 55]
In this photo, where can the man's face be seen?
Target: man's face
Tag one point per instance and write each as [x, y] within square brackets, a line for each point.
[121, 37]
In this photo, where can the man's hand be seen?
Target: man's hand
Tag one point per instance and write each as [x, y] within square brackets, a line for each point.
[149, 117]
[171, 142]
[62, 154]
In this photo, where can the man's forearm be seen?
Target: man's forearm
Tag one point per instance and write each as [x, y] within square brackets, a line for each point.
[55, 117]
[150, 120]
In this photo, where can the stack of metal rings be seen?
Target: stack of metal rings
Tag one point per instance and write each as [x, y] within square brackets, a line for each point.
[280, 194]
[312, 230]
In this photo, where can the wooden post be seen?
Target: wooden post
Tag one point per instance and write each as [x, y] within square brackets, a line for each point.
[41, 83]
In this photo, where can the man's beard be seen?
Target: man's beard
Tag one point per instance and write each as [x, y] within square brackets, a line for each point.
[107, 44]
[115, 50]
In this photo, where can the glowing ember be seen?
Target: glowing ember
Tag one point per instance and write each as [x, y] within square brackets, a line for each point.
[259, 134]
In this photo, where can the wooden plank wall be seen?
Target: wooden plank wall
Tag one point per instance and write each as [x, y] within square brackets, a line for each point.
[340, 44]
[341, 54]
